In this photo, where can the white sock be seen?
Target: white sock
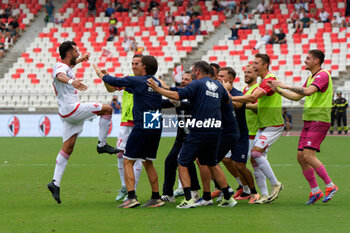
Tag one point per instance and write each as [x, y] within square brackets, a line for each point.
[137, 171]
[315, 190]
[180, 185]
[61, 163]
[265, 166]
[330, 185]
[260, 180]
[239, 181]
[105, 122]
[246, 189]
[121, 171]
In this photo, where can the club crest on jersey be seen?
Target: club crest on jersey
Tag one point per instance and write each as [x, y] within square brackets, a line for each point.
[262, 137]
[13, 126]
[212, 87]
[44, 126]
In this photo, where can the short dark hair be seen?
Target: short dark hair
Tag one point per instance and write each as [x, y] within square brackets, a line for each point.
[66, 47]
[215, 65]
[230, 71]
[137, 55]
[188, 72]
[264, 57]
[203, 66]
[317, 54]
[151, 64]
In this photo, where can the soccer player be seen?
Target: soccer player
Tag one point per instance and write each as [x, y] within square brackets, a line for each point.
[73, 113]
[270, 122]
[170, 163]
[143, 142]
[206, 96]
[318, 93]
[126, 126]
[250, 78]
[239, 151]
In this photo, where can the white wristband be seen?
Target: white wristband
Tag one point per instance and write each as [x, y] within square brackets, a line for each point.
[70, 81]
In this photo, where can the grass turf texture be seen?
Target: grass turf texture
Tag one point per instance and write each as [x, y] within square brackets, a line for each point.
[91, 181]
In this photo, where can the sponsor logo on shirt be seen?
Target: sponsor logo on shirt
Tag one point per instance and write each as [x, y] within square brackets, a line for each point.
[212, 88]
[262, 137]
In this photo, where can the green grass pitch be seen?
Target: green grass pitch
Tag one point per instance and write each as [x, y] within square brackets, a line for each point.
[91, 181]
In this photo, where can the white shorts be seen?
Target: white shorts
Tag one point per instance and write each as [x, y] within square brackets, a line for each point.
[73, 123]
[266, 137]
[123, 136]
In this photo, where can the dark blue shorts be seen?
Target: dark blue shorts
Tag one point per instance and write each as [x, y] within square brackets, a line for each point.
[239, 151]
[203, 146]
[227, 141]
[142, 144]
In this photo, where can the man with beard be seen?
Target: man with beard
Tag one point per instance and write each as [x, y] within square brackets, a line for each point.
[73, 113]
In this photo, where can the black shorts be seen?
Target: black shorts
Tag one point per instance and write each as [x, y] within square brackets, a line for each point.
[200, 145]
[142, 144]
[226, 144]
[239, 151]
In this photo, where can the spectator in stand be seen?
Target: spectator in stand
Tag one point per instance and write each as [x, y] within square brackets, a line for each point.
[15, 11]
[234, 31]
[189, 29]
[313, 15]
[261, 8]
[152, 5]
[7, 11]
[273, 38]
[11, 34]
[169, 19]
[126, 43]
[50, 11]
[243, 5]
[298, 5]
[133, 45]
[2, 45]
[306, 5]
[324, 16]
[15, 25]
[196, 25]
[245, 22]
[134, 7]
[229, 6]
[155, 16]
[181, 28]
[120, 8]
[110, 10]
[217, 5]
[115, 104]
[240, 17]
[196, 8]
[338, 20]
[303, 22]
[113, 30]
[263, 41]
[281, 37]
[178, 2]
[91, 7]
[185, 18]
[294, 17]
[172, 29]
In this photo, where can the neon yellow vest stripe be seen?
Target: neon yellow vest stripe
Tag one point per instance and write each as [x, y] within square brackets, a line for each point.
[250, 116]
[270, 109]
[127, 106]
[317, 107]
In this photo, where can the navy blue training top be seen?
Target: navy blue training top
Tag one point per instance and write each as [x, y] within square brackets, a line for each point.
[240, 115]
[229, 121]
[145, 98]
[205, 96]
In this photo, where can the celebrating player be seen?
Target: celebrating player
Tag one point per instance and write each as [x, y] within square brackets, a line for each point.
[318, 93]
[73, 113]
[270, 122]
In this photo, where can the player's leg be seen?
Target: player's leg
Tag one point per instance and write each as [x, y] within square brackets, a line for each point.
[137, 171]
[227, 161]
[105, 122]
[155, 200]
[205, 177]
[260, 178]
[345, 124]
[194, 181]
[60, 167]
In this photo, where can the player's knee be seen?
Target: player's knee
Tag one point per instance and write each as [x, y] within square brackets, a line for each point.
[226, 161]
[256, 154]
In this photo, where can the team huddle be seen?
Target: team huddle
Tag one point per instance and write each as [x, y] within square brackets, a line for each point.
[244, 127]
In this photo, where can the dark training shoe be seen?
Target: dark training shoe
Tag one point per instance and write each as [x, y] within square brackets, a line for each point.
[55, 191]
[107, 149]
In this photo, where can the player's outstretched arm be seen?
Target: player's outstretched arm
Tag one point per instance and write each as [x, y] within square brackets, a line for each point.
[170, 94]
[249, 98]
[77, 84]
[277, 86]
[100, 73]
